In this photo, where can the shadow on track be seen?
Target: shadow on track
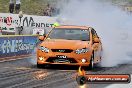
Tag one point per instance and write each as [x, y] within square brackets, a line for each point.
[59, 67]
[68, 67]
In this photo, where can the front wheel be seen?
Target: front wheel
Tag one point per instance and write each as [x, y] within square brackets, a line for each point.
[39, 65]
[91, 65]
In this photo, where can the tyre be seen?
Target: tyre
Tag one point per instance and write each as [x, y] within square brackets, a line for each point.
[91, 65]
[39, 65]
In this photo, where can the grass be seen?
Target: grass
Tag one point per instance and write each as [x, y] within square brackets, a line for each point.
[32, 7]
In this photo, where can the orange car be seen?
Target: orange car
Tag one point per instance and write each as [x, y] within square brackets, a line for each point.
[70, 45]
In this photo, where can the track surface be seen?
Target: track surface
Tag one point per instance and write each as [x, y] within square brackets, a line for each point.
[23, 74]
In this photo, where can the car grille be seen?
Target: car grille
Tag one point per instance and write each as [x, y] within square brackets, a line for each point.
[62, 50]
[61, 60]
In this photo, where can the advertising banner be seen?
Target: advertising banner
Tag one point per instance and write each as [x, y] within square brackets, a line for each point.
[14, 46]
[8, 21]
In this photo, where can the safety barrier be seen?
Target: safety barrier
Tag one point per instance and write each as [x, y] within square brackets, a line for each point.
[17, 46]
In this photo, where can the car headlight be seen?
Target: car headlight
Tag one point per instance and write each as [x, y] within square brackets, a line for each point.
[83, 50]
[43, 49]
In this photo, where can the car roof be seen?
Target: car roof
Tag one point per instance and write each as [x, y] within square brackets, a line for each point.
[73, 26]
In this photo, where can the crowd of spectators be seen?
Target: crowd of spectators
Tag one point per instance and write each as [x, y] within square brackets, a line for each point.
[50, 11]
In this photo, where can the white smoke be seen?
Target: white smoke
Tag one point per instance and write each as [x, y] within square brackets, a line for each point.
[33, 57]
[112, 24]
[33, 60]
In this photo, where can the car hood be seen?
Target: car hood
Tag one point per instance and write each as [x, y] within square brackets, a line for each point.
[64, 44]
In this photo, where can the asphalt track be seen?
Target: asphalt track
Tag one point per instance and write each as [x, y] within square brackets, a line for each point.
[24, 74]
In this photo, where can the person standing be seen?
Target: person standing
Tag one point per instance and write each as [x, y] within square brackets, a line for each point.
[11, 6]
[0, 31]
[48, 10]
[17, 7]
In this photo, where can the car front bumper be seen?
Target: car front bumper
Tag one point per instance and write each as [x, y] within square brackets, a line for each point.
[75, 59]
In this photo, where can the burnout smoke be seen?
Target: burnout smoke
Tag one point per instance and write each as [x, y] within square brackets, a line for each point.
[112, 24]
[33, 58]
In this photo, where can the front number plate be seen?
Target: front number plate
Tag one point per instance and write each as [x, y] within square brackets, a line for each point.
[61, 56]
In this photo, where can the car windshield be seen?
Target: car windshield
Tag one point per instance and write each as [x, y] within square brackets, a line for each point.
[69, 34]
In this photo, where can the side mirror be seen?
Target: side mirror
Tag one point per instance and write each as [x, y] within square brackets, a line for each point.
[96, 40]
[41, 38]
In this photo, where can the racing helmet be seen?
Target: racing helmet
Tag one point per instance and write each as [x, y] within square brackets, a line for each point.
[56, 24]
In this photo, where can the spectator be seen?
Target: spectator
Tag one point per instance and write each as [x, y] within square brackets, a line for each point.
[50, 11]
[47, 11]
[11, 6]
[0, 31]
[55, 11]
[17, 7]
[44, 13]
[48, 7]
